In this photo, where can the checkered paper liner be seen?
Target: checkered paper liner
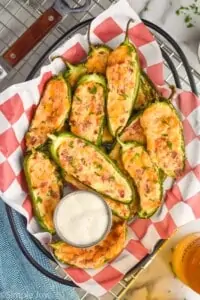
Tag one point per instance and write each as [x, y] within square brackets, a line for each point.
[182, 199]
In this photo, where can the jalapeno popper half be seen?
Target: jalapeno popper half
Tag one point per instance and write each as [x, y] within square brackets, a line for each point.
[51, 112]
[74, 72]
[87, 112]
[45, 187]
[132, 133]
[123, 76]
[165, 142]
[147, 92]
[91, 166]
[95, 256]
[145, 174]
[97, 59]
[119, 209]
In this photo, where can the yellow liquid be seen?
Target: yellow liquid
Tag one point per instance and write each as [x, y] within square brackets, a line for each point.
[186, 261]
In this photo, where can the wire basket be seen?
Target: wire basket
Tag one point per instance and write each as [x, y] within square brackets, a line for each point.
[177, 71]
[174, 63]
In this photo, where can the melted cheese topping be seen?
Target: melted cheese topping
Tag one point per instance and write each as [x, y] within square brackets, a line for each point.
[87, 112]
[45, 186]
[89, 165]
[121, 209]
[121, 75]
[134, 132]
[138, 164]
[97, 61]
[146, 93]
[163, 130]
[50, 114]
[97, 255]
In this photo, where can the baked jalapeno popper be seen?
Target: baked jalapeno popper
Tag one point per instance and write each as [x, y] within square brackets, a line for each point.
[165, 143]
[45, 187]
[97, 59]
[138, 164]
[123, 76]
[132, 133]
[119, 209]
[51, 113]
[87, 112]
[147, 92]
[74, 72]
[95, 256]
[91, 166]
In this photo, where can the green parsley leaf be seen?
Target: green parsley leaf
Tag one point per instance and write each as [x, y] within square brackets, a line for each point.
[188, 19]
[39, 199]
[136, 155]
[190, 25]
[169, 144]
[77, 98]
[71, 144]
[93, 90]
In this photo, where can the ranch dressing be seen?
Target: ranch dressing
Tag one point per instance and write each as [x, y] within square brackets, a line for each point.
[82, 219]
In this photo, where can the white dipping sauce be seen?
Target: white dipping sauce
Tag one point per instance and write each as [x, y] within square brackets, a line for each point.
[82, 218]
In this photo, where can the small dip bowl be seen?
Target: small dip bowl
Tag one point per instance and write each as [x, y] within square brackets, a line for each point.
[82, 219]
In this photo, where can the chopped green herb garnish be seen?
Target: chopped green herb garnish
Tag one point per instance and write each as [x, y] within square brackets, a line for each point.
[188, 19]
[99, 166]
[97, 174]
[189, 12]
[165, 122]
[79, 99]
[130, 50]
[136, 155]
[71, 144]
[124, 96]
[111, 178]
[93, 90]
[164, 134]
[169, 144]
[39, 200]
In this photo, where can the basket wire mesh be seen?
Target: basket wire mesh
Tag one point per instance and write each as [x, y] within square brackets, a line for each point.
[17, 15]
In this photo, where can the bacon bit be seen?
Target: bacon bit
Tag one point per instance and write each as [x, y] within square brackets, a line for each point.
[43, 184]
[139, 172]
[174, 154]
[67, 158]
[105, 178]
[121, 193]
[54, 194]
[86, 124]
[33, 140]
[72, 122]
[79, 169]
[147, 188]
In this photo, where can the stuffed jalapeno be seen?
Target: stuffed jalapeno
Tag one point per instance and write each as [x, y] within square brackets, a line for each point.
[45, 187]
[87, 112]
[91, 166]
[51, 112]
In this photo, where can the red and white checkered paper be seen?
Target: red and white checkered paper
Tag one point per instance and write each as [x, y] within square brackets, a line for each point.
[182, 201]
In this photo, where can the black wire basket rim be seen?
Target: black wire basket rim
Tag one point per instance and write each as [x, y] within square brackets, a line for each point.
[79, 26]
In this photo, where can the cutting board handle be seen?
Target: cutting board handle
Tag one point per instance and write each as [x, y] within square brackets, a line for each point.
[32, 36]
